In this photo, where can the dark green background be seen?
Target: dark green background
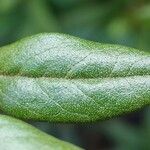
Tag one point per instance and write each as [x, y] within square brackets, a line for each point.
[125, 22]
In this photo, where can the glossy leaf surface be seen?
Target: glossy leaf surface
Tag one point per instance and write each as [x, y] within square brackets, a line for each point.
[60, 78]
[16, 134]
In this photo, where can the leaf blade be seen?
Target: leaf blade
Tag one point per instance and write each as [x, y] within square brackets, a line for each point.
[59, 100]
[16, 134]
[61, 78]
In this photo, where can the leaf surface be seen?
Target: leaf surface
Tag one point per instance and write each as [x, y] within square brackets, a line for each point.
[60, 78]
[16, 134]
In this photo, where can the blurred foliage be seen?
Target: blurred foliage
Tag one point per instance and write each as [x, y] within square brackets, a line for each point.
[125, 136]
[124, 22]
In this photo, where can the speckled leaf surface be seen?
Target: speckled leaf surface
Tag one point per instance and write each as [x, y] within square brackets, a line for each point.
[60, 78]
[16, 134]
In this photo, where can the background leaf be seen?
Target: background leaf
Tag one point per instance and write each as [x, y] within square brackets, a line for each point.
[15, 134]
[60, 78]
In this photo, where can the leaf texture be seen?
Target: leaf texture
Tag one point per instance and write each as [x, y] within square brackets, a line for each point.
[16, 134]
[61, 78]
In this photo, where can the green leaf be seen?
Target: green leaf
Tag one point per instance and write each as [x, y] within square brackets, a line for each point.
[16, 134]
[60, 78]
